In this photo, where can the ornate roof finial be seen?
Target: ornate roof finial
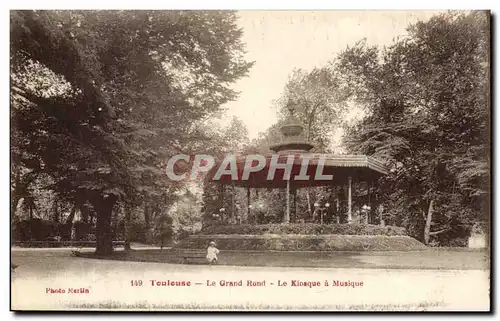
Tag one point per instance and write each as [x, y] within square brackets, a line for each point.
[291, 130]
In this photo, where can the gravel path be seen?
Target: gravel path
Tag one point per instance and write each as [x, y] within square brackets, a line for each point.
[110, 286]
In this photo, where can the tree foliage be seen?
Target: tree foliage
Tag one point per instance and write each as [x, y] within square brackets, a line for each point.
[127, 89]
[427, 100]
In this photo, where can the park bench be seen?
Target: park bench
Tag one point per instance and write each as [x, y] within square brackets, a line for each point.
[193, 256]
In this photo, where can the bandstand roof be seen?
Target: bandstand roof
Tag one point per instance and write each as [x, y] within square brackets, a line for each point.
[359, 167]
[341, 167]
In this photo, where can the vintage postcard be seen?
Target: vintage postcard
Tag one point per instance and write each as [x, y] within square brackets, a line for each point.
[170, 160]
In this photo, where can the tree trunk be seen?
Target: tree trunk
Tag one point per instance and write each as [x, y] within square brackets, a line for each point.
[30, 204]
[84, 211]
[56, 212]
[310, 122]
[14, 204]
[146, 214]
[127, 226]
[309, 206]
[428, 221]
[71, 215]
[114, 222]
[15, 196]
[104, 244]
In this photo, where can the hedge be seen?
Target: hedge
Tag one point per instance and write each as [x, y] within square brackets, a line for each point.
[57, 244]
[304, 228]
[304, 243]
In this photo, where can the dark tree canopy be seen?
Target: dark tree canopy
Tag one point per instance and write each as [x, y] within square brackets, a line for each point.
[130, 89]
[427, 100]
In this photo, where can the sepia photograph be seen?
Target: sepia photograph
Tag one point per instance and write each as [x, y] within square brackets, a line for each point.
[226, 160]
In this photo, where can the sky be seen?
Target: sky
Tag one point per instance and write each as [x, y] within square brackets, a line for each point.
[279, 41]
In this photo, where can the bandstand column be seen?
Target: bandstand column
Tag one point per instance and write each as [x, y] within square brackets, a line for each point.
[381, 213]
[286, 219]
[368, 214]
[221, 195]
[337, 205]
[293, 206]
[233, 203]
[349, 199]
[248, 203]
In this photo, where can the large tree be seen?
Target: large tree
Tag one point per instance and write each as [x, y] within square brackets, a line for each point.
[427, 101]
[229, 140]
[319, 99]
[137, 83]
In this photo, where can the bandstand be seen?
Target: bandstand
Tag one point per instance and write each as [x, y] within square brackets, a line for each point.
[292, 153]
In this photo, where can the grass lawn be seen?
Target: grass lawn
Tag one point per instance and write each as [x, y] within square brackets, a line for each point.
[449, 259]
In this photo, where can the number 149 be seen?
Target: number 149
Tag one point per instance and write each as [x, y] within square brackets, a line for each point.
[136, 282]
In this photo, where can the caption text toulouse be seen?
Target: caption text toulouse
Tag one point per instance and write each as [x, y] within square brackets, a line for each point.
[252, 283]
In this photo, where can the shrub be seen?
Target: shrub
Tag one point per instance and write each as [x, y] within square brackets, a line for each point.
[304, 228]
[460, 242]
[163, 235]
[182, 234]
[65, 231]
[35, 229]
[326, 243]
[81, 229]
[89, 237]
[22, 231]
[138, 232]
